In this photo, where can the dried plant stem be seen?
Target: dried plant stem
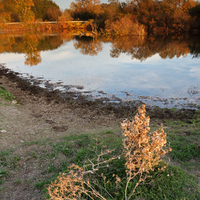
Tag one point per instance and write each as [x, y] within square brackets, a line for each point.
[143, 149]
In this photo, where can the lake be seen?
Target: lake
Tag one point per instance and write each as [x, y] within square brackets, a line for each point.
[160, 72]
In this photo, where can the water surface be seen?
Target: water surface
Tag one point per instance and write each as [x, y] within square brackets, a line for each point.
[158, 72]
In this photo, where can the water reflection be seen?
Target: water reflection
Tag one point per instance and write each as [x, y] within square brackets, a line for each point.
[29, 44]
[129, 68]
[142, 49]
[88, 45]
[138, 48]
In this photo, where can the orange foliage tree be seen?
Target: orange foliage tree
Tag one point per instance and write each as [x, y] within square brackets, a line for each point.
[4, 17]
[23, 8]
[53, 13]
[124, 26]
[85, 9]
[163, 17]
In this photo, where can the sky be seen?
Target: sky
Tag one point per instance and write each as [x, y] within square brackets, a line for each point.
[63, 4]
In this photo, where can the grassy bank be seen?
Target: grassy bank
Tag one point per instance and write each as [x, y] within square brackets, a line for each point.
[176, 178]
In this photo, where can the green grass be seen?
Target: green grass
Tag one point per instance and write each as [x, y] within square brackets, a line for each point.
[3, 157]
[173, 109]
[2, 175]
[184, 138]
[8, 160]
[40, 185]
[172, 183]
[5, 95]
[183, 148]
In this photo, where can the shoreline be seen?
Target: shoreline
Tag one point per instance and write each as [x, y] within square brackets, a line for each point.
[79, 100]
[39, 125]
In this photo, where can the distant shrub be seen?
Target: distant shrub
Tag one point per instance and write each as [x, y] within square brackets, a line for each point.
[124, 26]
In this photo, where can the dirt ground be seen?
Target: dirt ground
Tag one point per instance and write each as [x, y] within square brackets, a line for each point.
[43, 115]
[37, 117]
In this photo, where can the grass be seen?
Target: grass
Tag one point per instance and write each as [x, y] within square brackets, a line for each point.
[5, 95]
[5, 155]
[8, 160]
[184, 149]
[184, 139]
[172, 183]
[173, 109]
[2, 175]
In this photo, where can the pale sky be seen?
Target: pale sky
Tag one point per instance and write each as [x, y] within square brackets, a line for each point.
[63, 4]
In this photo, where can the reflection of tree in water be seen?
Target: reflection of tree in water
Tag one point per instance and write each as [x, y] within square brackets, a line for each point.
[17, 43]
[32, 56]
[6, 43]
[29, 43]
[130, 45]
[137, 47]
[49, 42]
[174, 48]
[67, 37]
[88, 45]
[195, 48]
[141, 49]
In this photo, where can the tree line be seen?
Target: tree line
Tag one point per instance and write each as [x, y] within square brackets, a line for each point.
[159, 17]
[28, 10]
[132, 17]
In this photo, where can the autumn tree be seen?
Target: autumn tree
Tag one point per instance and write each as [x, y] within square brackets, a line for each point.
[163, 17]
[66, 15]
[8, 9]
[85, 9]
[4, 17]
[125, 26]
[111, 10]
[195, 13]
[53, 13]
[23, 8]
[39, 9]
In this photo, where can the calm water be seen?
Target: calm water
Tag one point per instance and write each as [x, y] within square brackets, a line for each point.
[158, 72]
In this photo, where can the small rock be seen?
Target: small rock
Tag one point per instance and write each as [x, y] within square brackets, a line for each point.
[14, 102]
[3, 131]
